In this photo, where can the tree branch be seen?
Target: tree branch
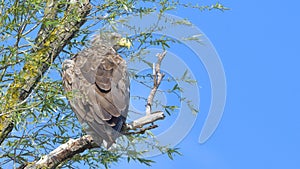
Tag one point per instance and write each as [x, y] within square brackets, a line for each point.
[73, 147]
[159, 115]
[157, 77]
[63, 152]
[41, 59]
[142, 130]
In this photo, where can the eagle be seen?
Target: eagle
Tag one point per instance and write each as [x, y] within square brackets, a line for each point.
[97, 84]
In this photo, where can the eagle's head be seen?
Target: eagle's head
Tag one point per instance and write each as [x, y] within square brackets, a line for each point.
[109, 39]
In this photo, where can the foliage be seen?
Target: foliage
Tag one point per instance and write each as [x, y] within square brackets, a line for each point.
[43, 120]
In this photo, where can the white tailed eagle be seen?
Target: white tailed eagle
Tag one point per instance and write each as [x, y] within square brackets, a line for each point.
[97, 83]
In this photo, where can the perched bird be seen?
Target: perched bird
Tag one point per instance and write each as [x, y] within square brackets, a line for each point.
[97, 83]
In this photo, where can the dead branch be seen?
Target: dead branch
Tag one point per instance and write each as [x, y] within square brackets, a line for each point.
[139, 123]
[157, 77]
[142, 130]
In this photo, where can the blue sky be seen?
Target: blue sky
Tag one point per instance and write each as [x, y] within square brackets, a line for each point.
[258, 43]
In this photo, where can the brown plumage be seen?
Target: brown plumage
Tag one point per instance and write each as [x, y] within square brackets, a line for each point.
[98, 82]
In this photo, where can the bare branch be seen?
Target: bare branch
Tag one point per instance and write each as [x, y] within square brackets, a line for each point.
[139, 123]
[142, 130]
[157, 77]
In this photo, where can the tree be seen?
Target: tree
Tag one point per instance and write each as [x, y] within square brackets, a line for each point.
[35, 118]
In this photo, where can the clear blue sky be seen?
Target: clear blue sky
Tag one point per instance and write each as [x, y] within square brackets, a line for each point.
[258, 43]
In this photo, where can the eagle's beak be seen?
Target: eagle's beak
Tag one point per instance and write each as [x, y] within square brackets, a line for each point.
[124, 42]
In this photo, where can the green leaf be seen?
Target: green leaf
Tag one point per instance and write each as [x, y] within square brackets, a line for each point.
[172, 151]
[145, 161]
[148, 63]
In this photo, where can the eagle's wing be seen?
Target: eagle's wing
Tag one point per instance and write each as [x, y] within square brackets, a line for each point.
[100, 87]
